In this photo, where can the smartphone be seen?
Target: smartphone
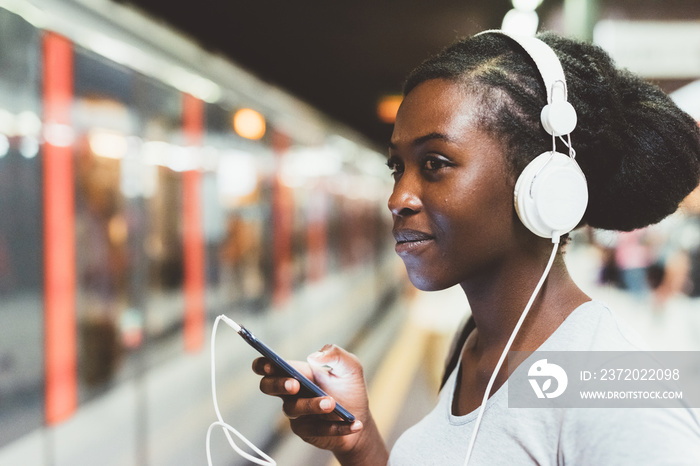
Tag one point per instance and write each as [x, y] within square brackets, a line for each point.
[308, 388]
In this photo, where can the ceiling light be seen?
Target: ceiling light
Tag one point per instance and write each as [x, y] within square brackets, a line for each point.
[249, 124]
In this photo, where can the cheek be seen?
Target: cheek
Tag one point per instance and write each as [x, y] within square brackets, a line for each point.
[481, 224]
[483, 210]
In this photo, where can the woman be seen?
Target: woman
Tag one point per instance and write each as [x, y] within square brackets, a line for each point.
[468, 126]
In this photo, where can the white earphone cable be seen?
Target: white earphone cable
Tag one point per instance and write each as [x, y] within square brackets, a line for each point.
[555, 240]
[567, 143]
[264, 459]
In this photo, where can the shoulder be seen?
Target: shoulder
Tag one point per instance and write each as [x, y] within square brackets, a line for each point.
[629, 436]
[594, 327]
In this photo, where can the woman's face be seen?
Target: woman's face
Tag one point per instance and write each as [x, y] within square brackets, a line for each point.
[452, 202]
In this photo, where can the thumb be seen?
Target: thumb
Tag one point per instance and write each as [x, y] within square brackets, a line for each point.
[335, 361]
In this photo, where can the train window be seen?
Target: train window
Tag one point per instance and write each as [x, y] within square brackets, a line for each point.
[237, 218]
[129, 155]
[159, 310]
[309, 238]
[21, 314]
[102, 122]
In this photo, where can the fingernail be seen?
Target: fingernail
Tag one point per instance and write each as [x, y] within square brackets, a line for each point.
[325, 404]
[356, 426]
[289, 385]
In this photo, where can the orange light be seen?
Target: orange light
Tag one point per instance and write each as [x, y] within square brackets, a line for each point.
[387, 108]
[249, 124]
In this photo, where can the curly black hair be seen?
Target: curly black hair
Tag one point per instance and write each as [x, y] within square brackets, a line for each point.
[639, 151]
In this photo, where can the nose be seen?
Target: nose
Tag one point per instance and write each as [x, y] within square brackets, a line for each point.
[405, 198]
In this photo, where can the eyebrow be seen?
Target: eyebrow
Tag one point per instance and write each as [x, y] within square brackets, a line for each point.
[425, 138]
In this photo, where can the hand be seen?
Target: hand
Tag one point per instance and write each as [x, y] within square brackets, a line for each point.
[339, 373]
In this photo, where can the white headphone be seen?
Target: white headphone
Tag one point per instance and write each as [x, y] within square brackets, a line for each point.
[551, 193]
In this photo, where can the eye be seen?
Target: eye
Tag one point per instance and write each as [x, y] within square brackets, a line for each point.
[395, 166]
[433, 163]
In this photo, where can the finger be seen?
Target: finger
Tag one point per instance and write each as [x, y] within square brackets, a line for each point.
[306, 427]
[263, 366]
[297, 407]
[279, 386]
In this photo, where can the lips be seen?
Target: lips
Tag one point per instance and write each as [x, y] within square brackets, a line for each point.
[411, 241]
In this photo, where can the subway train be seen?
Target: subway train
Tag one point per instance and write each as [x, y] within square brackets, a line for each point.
[146, 187]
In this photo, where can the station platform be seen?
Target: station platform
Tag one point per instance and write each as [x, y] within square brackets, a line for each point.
[403, 352]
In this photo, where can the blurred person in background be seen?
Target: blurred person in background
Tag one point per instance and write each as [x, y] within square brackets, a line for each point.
[469, 124]
[680, 255]
[691, 247]
[633, 257]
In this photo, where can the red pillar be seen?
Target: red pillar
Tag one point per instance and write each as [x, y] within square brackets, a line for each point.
[193, 234]
[59, 235]
[282, 226]
[317, 236]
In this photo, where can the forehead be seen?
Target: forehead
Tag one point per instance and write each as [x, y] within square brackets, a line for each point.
[435, 106]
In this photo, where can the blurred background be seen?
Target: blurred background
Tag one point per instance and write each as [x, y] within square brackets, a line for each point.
[162, 163]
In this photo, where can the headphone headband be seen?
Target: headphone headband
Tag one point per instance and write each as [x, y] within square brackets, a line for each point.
[545, 59]
[558, 116]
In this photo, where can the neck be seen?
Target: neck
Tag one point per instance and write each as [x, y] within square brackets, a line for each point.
[498, 298]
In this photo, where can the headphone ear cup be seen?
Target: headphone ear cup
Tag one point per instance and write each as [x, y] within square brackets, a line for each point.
[558, 118]
[551, 195]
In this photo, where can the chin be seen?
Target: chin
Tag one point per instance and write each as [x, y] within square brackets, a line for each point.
[426, 283]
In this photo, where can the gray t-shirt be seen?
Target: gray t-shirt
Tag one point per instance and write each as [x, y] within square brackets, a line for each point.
[557, 436]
